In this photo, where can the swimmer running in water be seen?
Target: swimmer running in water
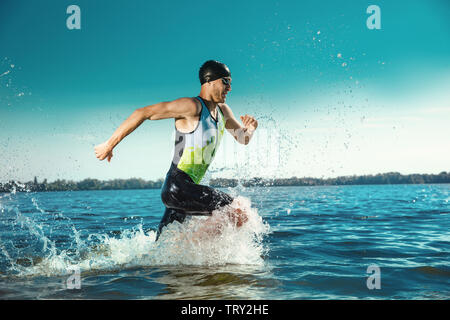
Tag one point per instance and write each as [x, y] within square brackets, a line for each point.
[199, 124]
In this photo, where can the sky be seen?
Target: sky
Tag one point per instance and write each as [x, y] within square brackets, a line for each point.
[332, 96]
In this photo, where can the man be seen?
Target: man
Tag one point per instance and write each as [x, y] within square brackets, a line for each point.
[199, 125]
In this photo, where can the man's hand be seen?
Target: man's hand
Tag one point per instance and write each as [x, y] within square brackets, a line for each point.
[103, 151]
[249, 122]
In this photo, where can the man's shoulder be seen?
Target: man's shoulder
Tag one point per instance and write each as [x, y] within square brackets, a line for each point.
[189, 105]
[187, 100]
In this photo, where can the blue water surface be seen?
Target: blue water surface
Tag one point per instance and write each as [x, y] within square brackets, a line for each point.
[320, 244]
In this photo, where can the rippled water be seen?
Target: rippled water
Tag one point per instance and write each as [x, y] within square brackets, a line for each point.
[300, 243]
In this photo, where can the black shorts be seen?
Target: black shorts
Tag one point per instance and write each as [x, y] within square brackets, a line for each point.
[182, 197]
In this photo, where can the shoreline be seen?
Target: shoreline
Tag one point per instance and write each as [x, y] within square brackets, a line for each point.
[390, 178]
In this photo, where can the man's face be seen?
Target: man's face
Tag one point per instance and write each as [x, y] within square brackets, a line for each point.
[221, 87]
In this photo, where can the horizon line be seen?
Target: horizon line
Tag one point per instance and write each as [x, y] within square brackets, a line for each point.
[255, 177]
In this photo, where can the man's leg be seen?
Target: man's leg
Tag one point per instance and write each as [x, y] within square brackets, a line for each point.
[207, 199]
[199, 199]
[170, 215]
[183, 197]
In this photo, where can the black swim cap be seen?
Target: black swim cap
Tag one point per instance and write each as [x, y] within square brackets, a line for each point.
[212, 70]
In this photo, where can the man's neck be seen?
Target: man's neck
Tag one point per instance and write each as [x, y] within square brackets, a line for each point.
[209, 104]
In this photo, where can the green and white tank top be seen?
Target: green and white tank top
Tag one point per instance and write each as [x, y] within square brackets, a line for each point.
[194, 151]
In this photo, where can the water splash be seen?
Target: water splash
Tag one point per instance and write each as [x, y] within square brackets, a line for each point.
[179, 244]
[11, 92]
[232, 246]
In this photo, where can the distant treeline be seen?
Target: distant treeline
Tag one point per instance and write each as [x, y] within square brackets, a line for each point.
[381, 178]
[86, 184]
[134, 183]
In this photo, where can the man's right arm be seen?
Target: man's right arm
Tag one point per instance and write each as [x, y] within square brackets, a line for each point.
[180, 108]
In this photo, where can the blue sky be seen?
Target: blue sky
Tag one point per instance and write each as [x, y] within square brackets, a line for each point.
[332, 97]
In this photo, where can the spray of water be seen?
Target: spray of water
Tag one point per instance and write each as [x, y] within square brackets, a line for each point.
[190, 243]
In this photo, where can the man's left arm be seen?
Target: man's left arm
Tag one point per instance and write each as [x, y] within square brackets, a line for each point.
[241, 132]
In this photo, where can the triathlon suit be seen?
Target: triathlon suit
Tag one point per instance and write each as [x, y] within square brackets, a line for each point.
[181, 192]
